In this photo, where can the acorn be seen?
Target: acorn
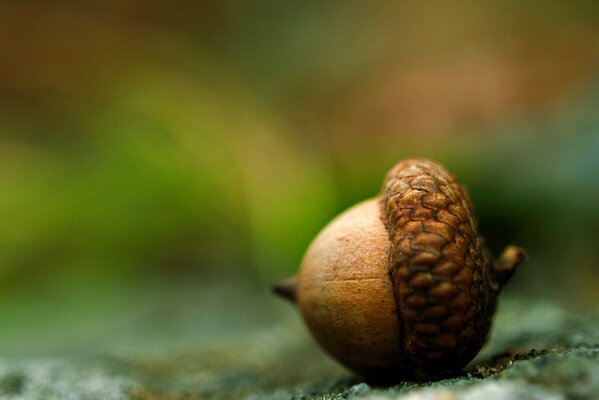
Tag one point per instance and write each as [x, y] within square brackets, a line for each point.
[402, 287]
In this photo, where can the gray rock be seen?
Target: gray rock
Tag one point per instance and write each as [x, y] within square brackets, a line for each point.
[251, 346]
[58, 379]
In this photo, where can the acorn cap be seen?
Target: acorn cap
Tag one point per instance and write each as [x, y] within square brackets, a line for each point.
[445, 284]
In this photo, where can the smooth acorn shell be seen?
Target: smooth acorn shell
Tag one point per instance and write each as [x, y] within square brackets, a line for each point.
[345, 295]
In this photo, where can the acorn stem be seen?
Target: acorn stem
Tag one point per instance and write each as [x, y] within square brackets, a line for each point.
[287, 289]
[505, 265]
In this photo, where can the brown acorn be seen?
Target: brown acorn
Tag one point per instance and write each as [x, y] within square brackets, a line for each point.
[401, 286]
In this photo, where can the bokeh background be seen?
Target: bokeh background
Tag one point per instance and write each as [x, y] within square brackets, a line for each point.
[151, 151]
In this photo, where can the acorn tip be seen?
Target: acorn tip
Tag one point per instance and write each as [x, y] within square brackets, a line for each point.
[286, 288]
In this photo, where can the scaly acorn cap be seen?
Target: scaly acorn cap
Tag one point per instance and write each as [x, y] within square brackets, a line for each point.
[445, 283]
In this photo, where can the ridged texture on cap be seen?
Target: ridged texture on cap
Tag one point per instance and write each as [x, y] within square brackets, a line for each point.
[438, 266]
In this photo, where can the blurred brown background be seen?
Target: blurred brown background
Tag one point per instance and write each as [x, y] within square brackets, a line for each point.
[146, 142]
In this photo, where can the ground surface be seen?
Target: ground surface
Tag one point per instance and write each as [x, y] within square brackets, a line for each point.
[200, 341]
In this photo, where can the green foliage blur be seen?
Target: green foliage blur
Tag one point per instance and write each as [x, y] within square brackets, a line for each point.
[147, 141]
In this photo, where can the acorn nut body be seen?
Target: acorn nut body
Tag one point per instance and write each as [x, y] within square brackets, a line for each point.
[401, 286]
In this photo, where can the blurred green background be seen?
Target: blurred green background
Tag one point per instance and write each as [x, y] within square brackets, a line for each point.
[148, 144]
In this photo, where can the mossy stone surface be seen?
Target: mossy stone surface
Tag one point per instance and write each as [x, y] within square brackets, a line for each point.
[221, 341]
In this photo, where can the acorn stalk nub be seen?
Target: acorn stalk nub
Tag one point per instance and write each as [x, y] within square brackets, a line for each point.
[505, 265]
